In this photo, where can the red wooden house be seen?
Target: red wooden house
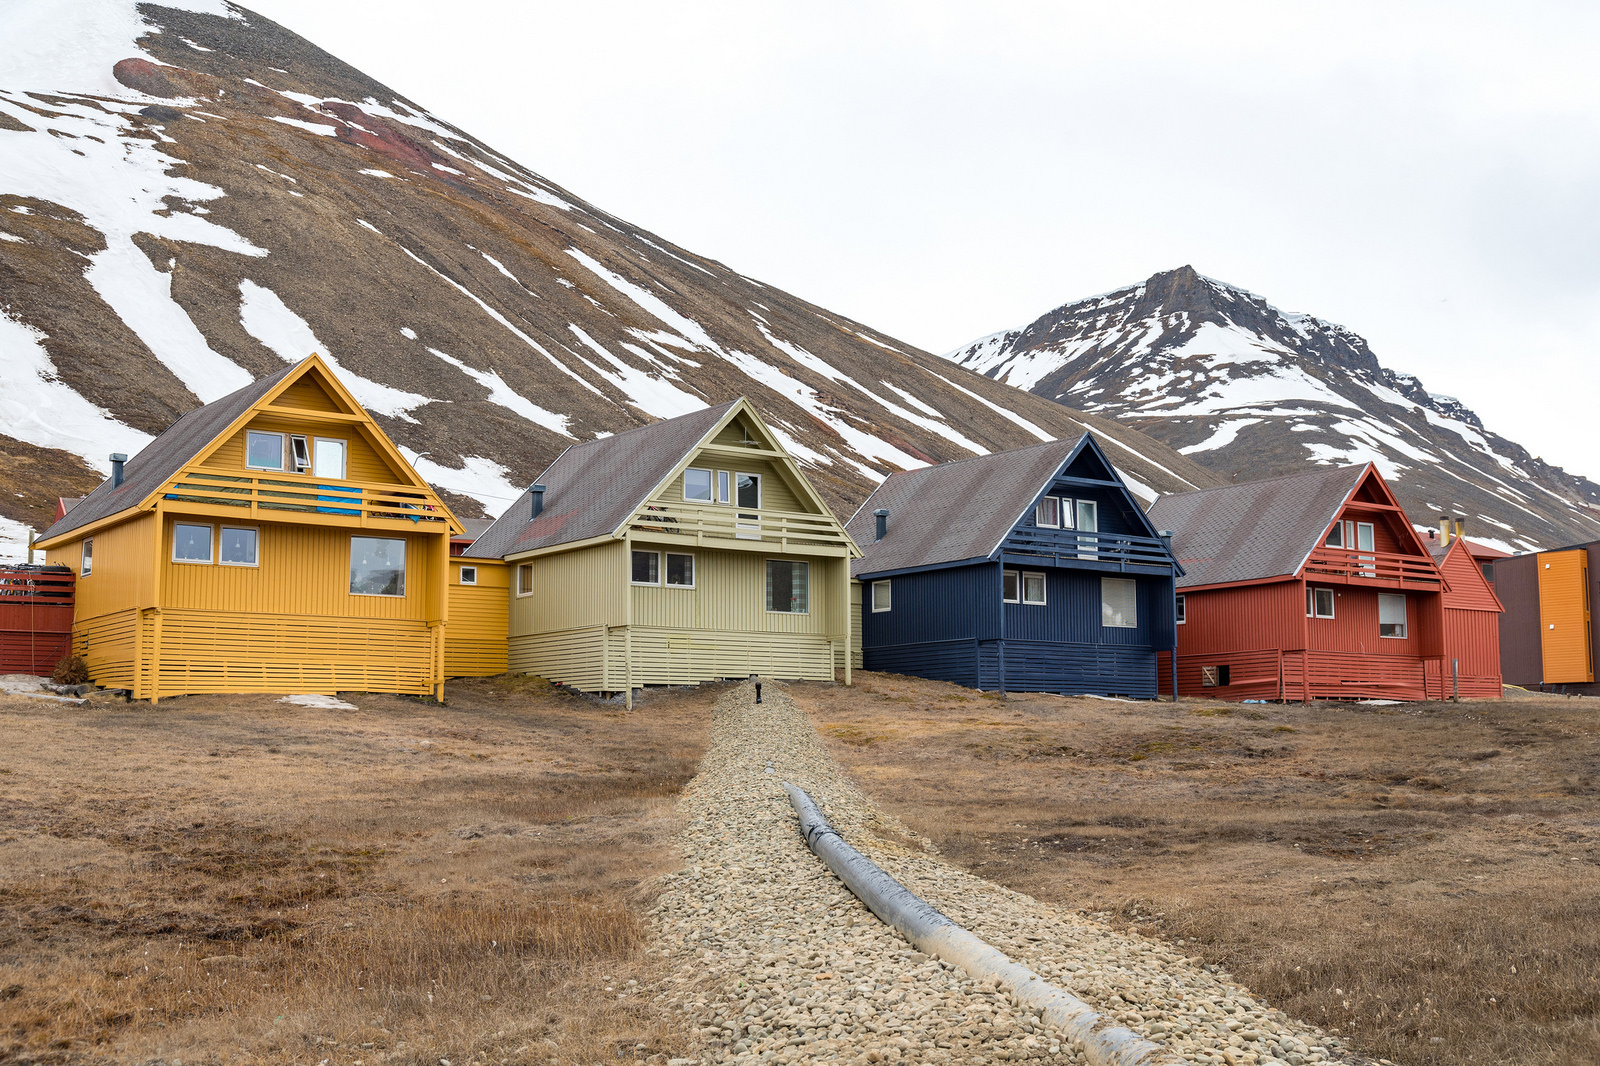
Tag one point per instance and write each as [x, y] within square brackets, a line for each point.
[1471, 619]
[1313, 586]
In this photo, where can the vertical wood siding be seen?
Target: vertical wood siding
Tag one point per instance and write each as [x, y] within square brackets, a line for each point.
[475, 639]
[730, 594]
[1564, 617]
[572, 590]
[1473, 639]
[122, 576]
[1516, 582]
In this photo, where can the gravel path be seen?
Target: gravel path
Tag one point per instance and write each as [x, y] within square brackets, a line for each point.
[775, 960]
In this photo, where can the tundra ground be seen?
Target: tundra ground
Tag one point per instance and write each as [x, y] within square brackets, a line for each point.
[233, 879]
[1419, 878]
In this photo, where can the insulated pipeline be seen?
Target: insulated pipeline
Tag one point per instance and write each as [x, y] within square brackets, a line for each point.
[910, 915]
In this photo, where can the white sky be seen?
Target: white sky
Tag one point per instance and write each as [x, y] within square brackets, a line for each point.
[1427, 174]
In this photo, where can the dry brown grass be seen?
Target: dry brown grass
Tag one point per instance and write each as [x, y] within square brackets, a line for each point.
[1421, 878]
[236, 879]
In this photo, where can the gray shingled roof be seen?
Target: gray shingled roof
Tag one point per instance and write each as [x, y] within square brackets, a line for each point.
[954, 511]
[1255, 530]
[593, 487]
[163, 457]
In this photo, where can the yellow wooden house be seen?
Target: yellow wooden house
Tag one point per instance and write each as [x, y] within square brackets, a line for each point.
[274, 540]
[684, 551]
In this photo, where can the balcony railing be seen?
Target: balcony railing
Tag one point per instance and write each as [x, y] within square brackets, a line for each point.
[1338, 564]
[730, 524]
[357, 500]
[1069, 544]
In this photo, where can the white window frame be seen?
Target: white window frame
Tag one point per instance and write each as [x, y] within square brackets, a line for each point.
[888, 596]
[1022, 588]
[245, 529]
[694, 571]
[344, 458]
[524, 570]
[1405, 612]
[1055, 506]
[210, 559]
[1017, 576]
[711, 485]
[791, 562]
[300, 446]
[660, 573]
[283, 449]
[1336, 532]
[462, 577]
[86, 558]
[1181, 609]
[1088, 548]
[750, 529]
[1134, 624]
[406, 564]
[1312, 610]
[724, 486]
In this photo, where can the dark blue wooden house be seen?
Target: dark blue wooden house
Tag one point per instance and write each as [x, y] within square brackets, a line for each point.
[1032, 570]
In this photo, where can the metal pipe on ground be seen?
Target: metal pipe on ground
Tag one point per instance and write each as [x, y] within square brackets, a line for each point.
[930, 931]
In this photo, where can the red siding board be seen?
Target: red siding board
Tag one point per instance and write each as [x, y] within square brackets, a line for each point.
[35, 620]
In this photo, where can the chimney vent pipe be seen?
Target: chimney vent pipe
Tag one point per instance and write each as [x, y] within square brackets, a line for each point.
[117, 459]
[537, 493]
[882, 526]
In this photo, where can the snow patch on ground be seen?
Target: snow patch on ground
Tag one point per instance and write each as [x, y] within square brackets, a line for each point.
[52, 46]
[268, 319]
[653, 305]
[321, 703]
[14, 541]
[310, 127]
[1009, 416]
[40, 409]
[648, 393]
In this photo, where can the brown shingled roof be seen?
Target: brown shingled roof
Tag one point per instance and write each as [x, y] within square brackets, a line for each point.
[593, 487]
[163, 457]
[1256, 530]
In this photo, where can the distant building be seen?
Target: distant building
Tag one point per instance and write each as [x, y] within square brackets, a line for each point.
[1316, 586]
[1548, 637]
[1032, 570]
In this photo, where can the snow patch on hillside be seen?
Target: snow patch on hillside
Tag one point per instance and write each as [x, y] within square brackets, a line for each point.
[14, 538]
[268, 319]
[39, 408]
[509, 398]
[481, 479]
[50, 46]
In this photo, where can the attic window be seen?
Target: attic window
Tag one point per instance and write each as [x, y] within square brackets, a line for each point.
[722, 486]
[1047, 512]
[263, 451]
[697, 485]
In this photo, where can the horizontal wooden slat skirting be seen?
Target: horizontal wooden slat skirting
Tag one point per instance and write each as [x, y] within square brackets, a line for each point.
[595, 659]
[573, 657]
[108, 646]
[1268, 674]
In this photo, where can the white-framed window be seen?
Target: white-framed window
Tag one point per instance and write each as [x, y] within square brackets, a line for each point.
[788, 586]
[191, 543]
[263, 451]
[724, 479]
[680, 570]
[328, 458]
[86, 567]
[646, 568]
[697, 485]
[299, 452]
[239, 546]
[1033, 587]
[1319, 603]
[1335, 536]
[469, 575]
[524, 579]
[1182, 609]
[1392, 615]
[377, 566]
[1119, 602]
[1047, 512]
[1088, 521]
[747, 493]
[882, 597]
[1011, 586]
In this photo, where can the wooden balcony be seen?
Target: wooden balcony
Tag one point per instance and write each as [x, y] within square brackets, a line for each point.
[1379, 569]
[729, 527]
[319, 502]
[1100, 551]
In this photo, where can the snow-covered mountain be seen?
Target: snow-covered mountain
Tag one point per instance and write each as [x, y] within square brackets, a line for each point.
[191, 195]
[1251, 391]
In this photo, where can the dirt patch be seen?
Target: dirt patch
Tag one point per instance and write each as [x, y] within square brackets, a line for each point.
[225, 878]
[1419, 878]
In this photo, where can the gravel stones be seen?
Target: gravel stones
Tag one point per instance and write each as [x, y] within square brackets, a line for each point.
[774, 960]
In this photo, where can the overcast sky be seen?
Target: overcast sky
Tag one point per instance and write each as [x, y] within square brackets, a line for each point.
[1425, 174]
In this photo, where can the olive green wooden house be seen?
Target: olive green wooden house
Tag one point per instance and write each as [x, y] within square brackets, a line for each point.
[684, 551]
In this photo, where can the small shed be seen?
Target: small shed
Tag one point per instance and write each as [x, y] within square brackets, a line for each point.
[35, 617]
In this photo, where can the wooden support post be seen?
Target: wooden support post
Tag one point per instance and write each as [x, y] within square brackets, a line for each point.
[849, 615]
[627, 632]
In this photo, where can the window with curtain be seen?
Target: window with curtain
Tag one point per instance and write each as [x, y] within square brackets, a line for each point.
[788, 586]
[1391, 615]
[1119, 602]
